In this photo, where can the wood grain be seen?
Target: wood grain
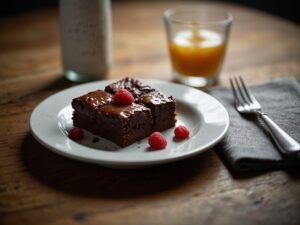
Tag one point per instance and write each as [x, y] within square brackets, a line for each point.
[40, 187]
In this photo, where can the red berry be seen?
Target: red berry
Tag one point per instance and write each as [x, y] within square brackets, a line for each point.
[75, 133]
[123, 97]
[181, 132]
[157, 140]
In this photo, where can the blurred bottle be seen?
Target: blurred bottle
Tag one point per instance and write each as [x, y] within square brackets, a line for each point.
[86, 39]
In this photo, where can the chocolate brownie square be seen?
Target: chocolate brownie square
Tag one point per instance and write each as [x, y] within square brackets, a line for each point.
[85, 109]
[162, 109]
[124, 124]
[96, 112]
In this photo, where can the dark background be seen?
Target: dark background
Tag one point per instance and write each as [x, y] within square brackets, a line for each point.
[287, 9]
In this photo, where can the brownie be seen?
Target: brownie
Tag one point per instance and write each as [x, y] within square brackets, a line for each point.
[85, 109]
[96, 112]
[124, 124]
[152, 111]
[162, 109]
[162, 106]
[136, 87]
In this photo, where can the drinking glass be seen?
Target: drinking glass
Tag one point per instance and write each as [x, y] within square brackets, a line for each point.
[197, 41]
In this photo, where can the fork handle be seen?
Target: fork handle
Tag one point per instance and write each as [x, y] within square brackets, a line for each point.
[286, 143]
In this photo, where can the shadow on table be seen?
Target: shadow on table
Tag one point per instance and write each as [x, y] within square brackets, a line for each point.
[90, 180]
[58, 84]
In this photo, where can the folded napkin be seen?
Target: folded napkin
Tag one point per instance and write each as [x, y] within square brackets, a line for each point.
[248, 145]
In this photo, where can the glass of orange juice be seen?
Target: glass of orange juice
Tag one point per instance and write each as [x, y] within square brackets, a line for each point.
[197, 40]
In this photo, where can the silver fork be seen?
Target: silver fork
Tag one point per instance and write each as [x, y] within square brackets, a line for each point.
[246, 103]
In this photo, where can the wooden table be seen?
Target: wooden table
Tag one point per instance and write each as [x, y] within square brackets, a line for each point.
[40, 187]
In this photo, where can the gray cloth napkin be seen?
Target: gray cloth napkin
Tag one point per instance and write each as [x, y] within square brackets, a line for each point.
[248, 145]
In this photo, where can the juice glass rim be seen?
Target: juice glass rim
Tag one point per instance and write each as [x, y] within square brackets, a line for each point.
[227, 17]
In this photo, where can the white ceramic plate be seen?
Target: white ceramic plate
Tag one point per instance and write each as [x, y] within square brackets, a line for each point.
[205, 117]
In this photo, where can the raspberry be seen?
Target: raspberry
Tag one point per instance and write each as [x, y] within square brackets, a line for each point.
[123, 97]
[75, 133]
[157, 140]
[181, 132]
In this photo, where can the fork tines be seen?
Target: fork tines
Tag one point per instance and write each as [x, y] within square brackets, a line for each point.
[241, 93]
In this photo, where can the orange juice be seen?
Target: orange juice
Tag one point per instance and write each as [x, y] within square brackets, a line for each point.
[197, 52]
